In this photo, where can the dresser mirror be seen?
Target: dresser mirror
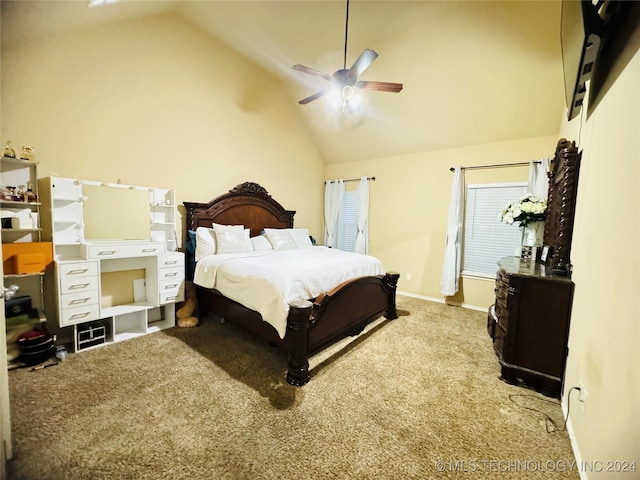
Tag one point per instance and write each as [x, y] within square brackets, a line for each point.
[561, 205]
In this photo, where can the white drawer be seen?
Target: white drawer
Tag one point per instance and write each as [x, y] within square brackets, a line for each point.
[78, 284]
[77, 269]
[115, 250]
[71, 316]
[80, 299]
[176, 273]
[171, 285]
[171, 297]
[171, 261]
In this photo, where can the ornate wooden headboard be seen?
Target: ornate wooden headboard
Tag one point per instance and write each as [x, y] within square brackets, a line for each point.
[247, 204]
[561, 204]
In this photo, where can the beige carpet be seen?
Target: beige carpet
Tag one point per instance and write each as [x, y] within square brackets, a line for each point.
[414, 398]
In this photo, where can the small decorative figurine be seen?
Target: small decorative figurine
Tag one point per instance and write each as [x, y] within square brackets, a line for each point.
[9, 151]
[27, 153]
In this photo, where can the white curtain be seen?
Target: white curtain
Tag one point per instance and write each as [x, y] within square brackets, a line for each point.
[362, 237]
[333, 193]
[453, 246]
[538, 180]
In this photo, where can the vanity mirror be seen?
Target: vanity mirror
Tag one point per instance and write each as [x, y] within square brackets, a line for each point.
[115, 212]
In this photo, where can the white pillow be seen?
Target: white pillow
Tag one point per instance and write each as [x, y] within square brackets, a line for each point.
[205, 242]
[261, 243]
[280, 238]
[300, 236]
[232, 238]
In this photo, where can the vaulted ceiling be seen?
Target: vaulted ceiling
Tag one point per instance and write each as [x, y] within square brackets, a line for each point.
[474, 72]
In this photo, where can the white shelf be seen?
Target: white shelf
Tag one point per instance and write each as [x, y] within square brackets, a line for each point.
[19, 161]
[16, 203]
[126, 322]
[19, 230]
[23, 275]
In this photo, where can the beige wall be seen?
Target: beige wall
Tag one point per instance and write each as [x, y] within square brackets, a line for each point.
[604, 338]
[408, 208]
[159, 103]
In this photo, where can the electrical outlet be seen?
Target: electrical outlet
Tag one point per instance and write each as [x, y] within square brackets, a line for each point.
[582, 395]
[408, 276]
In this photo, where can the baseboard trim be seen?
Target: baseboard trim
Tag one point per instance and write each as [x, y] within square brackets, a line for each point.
[441, 300]
[572, 438]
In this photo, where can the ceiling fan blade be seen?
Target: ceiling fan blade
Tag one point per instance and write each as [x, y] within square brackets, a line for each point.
[313, 97]
[365, 59]
[311, 71]
[380, 86]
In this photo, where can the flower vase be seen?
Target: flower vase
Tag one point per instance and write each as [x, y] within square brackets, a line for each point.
[532, 234]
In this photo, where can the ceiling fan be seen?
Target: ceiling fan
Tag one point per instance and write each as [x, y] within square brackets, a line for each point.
[346, 80]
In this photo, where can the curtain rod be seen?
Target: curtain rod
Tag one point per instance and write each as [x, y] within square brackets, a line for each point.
[351, 180]
[498, 165]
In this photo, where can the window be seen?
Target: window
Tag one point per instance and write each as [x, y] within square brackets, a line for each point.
[347, 226]
[486, 239]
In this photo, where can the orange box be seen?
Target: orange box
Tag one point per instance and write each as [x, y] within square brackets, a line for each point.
[29, 263]
[26, 257]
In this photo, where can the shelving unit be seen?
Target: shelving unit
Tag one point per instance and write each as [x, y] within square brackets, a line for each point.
[20, 216]
[163, 210]
[20, 212]
[80, 292]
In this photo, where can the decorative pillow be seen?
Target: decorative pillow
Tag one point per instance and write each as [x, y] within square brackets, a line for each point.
[261, 243]
[300, 236]
[232, 238]
[280, 238]
[205, 242]
[190, 246]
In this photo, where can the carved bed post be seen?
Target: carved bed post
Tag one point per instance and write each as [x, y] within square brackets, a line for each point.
[298, 325]
[391, 282]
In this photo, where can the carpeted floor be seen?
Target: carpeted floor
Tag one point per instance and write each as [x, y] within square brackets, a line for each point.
[414, 398]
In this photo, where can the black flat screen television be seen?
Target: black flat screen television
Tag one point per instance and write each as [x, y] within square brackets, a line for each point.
[619, 42]
[580, 34]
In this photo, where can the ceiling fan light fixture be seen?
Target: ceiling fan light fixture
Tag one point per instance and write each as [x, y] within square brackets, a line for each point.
[345, 99]
[347, 93]
[100, 3]
[345, 80]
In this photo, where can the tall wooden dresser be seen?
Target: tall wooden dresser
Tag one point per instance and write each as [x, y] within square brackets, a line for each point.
[529, 321]
[529, 324]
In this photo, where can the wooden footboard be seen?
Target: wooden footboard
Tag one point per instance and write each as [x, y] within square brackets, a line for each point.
[346, 310]
[313, 325]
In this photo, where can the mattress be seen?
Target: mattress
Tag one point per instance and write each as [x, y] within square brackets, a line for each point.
[268, 281]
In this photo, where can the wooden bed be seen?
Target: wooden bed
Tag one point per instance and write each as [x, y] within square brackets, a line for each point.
[311, 325]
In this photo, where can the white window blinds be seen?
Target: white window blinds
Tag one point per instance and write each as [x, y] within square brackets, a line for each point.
[486, 239]
[348, 222]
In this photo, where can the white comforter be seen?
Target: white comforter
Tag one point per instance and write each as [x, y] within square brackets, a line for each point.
[268, 281]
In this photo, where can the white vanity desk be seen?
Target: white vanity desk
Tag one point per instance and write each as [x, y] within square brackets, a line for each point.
[111, 290]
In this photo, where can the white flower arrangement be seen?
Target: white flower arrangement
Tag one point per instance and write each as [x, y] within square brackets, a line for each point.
[528, 209]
